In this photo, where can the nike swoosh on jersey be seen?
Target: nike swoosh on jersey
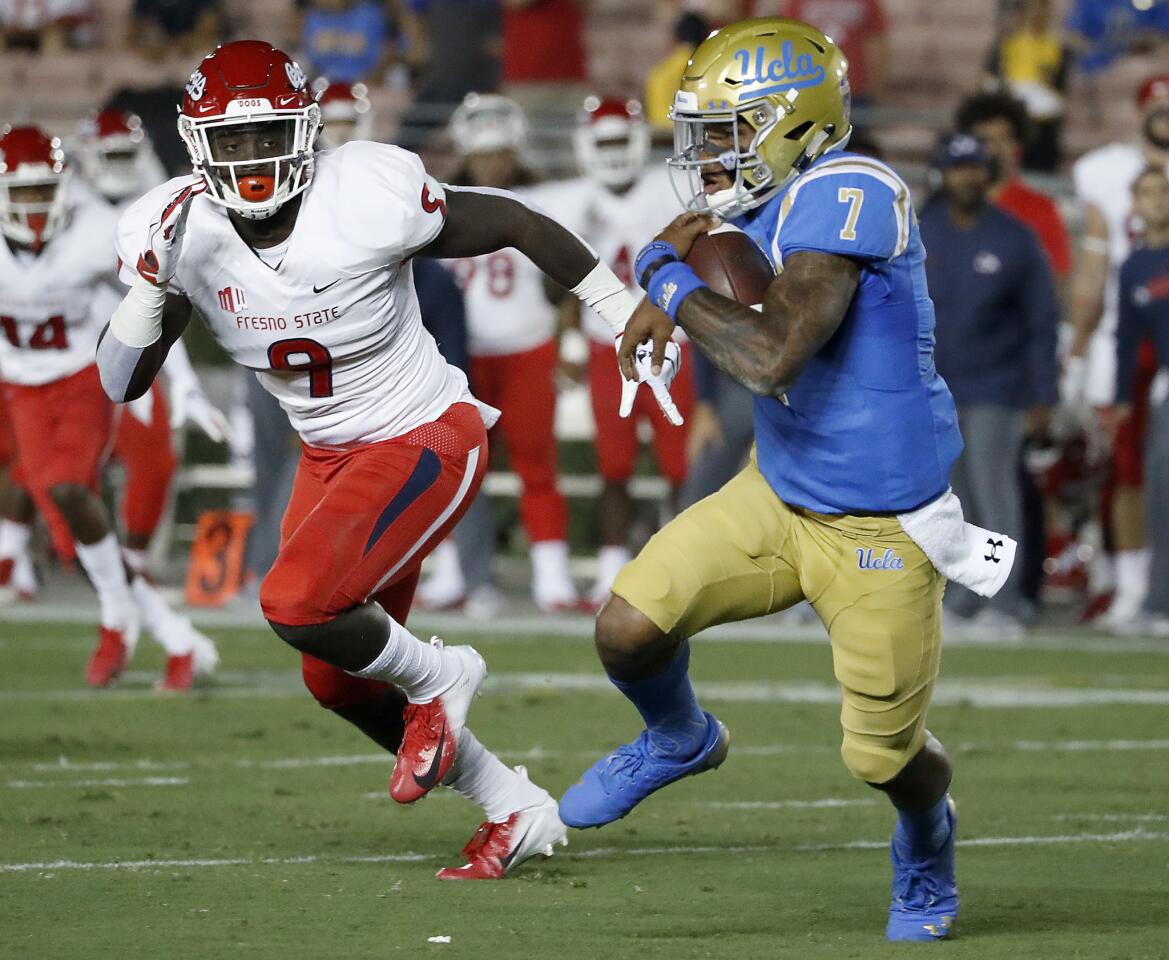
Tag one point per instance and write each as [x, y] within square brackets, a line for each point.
[317, 289]
[430, 778]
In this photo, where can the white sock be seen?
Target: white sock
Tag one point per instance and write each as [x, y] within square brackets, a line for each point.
[1132, 580]
[170, 630]
[610, 560]
[484, 779]
[420, 670]
[14, 539]
[551, 582]
[102, 561]
[136, 560]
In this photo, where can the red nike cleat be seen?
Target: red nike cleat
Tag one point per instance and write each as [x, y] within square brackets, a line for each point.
[430, 739]
[180, 671]
[109, 659]
[497, 848]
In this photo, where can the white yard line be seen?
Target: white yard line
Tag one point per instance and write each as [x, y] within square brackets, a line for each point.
[86, 784]
[52, 866]
[828, 803]
[535, 754]
[521, 627]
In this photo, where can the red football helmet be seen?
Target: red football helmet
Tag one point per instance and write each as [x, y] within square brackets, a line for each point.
[346, 112]
[33, 178]
[249, 121]
[116, 154]
[612, 141]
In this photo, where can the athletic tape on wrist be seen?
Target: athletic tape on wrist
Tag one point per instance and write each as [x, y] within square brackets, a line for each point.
[670, 285]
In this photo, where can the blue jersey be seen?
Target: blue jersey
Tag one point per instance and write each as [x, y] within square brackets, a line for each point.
[868, 426]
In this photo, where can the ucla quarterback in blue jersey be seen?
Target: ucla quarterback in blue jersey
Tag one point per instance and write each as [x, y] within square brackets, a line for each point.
[845, 502]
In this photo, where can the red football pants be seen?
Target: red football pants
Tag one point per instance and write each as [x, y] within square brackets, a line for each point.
[523, 387]
[616, 439]
[144, 450]
[358, 525]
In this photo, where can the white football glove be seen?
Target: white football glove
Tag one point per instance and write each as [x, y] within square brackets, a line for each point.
[660, 384]
[158, 262]
[190, 403]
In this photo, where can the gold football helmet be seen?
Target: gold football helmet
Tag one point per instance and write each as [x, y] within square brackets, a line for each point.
[760, 99]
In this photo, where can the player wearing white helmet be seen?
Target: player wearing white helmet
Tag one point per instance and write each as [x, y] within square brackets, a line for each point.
[300, 264]
[53, 266]
[119, 162]
[511, 338]
[616, 205]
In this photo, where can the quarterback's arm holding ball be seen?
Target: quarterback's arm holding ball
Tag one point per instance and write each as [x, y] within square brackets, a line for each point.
[764, 350]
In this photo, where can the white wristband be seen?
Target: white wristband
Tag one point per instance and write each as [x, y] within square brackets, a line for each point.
[137, 322]
[601, 290]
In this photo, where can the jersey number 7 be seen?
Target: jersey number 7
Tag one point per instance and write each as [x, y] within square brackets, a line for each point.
[855, 198]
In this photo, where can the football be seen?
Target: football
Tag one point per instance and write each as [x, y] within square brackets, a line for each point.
[730, 263]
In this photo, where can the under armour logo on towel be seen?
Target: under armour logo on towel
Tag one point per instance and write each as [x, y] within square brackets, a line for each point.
[994, 545]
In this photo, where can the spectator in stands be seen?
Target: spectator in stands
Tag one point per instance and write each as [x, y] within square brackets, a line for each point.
[347, 40]
[996, 348]
[1000, 122]
[454, 46]
[1103, 179]
[859, 29]
[1032, 61]
[690, 29]
[1143, 296]
[176, 27]
[42, 26]
[544, 68]
[1102, 30]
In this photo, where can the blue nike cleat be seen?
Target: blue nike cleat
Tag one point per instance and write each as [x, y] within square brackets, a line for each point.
[925, 894]
[615, 784]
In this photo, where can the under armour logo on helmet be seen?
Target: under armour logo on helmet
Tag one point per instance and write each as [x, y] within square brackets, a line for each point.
[295, 75]
[994, 545]
[196, 85]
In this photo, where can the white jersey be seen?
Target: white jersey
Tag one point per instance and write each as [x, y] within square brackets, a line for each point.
[503, 296]
[1104, 177]
[331, 325]
[51, 308]
[615, 225]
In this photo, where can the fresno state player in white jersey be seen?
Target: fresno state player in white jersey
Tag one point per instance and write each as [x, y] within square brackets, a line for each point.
[300, 265]
[511, 339]
[615, 207]
[1103, 180]
[54, 261]
[119, 162]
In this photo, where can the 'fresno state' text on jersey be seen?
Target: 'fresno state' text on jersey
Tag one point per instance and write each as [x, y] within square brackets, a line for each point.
[868, 426]
[51, 307]
[333, 329]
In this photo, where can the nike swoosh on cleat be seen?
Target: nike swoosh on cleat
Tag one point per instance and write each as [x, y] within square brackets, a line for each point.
[430, 778]
[505, 862]
[317, 289]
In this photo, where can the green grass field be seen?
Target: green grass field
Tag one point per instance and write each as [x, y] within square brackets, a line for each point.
[245, 821]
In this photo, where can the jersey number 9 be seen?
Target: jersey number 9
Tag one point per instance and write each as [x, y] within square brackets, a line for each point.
[299, 355]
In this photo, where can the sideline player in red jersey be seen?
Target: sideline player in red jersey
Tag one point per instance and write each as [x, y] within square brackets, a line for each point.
[299, 262]
[53, 263]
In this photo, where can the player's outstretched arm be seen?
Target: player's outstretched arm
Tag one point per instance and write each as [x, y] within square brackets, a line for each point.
[765, 350]
[135, 343]
[480, 221]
